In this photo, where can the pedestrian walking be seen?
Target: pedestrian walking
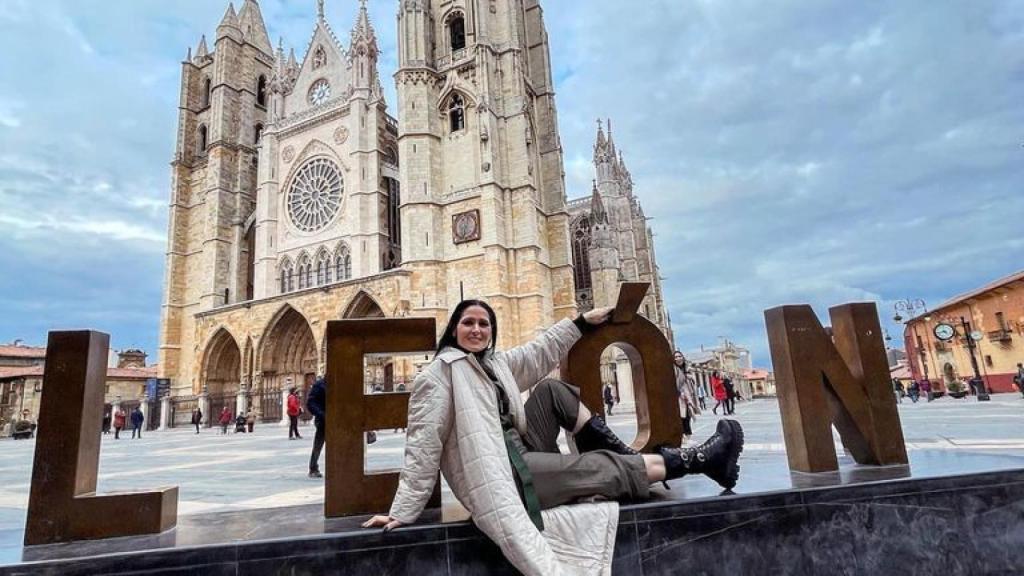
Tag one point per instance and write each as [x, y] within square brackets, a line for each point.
[1019, 378]
[897, 389]
[914, 391]
[197, 418]
[316, 403]
[119, 418]
[294, 410]
[718, 390]
[400, 388]
[106, 422]
[137, 420]
[702, 397]
[730, 396]
[926, 387]
[224, 420]
[609, 398]
[686, 393]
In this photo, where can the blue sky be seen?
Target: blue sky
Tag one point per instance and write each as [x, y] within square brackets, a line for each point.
[813, 152]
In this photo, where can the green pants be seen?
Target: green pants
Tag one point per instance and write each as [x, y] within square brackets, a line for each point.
[564, 478]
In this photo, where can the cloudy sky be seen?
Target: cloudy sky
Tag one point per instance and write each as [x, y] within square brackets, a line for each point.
[790, 152]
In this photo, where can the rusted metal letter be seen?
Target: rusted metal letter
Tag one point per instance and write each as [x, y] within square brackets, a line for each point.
[351, 412]
[63, 505]
[842, 381]
[650, 357]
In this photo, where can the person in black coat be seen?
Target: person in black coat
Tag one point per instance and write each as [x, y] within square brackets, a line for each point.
[197, 418]
[730, 396]
[316, 403]
[137, 420]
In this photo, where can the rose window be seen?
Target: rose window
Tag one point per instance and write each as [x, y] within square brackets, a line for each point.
[320, 92]
[314, 197]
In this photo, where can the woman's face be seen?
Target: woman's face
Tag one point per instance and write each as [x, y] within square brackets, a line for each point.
[473, 333]
[678, 358]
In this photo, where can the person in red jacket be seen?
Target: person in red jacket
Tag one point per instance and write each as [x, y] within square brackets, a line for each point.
[119, 421]
[224, 420]
[718, 390]
[294, 409]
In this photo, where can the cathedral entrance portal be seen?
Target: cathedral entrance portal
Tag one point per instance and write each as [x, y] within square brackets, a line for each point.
[289, 356]
[222, 365]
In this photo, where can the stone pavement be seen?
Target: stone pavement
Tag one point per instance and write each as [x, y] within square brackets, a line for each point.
[266, 470]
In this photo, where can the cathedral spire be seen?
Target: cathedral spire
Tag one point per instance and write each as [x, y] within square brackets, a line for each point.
[202, 51]
[601, 149]
[229, 24]
[254, 30]
[320, 9]
[600, 215]
[363, 53]
[611, 139]
[363, 32]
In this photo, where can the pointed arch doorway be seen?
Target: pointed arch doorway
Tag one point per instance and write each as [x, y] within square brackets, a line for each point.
[379, 372]
[289, 358]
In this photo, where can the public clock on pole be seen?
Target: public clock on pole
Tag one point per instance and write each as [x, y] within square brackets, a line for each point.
[944, 332]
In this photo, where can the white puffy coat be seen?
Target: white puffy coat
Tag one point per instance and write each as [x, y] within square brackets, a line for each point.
[453, 425]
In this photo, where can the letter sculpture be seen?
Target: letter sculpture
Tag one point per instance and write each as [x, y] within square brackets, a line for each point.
[63, 505]
[650, 357]
[351, 412]
[845, 383]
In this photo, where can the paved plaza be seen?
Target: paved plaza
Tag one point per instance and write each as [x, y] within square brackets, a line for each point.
[266, 470]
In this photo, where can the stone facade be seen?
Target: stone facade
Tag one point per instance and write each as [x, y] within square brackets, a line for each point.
[611, 241]
[297, 199]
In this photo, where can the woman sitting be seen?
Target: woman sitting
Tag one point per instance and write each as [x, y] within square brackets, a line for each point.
[501, 457]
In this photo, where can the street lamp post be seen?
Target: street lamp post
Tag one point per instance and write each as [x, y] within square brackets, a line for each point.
[949, 323]
[911, 307]
[978, 383]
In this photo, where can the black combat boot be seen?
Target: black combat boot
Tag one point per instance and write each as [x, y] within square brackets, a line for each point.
[716, 458]
[595, 435]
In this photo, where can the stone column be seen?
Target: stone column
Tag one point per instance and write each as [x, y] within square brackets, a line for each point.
[204, 406]
[144, 406]
[284, 407]
[240, 403]
[165, 413]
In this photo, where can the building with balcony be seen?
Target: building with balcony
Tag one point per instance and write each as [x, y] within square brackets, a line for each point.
[991, 316]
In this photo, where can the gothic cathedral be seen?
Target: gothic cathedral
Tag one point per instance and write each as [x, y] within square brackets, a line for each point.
[297, 198]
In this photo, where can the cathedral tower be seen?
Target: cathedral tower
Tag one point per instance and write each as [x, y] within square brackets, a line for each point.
[483, 208]
[221, 115]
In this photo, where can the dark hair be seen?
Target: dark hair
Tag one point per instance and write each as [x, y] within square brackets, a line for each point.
[448, 338]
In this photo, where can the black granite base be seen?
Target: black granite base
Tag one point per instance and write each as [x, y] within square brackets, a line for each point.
[967, 524]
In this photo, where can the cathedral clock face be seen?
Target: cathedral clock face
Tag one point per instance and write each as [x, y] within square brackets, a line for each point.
[314, 196]
[320, 92]
[466, 227]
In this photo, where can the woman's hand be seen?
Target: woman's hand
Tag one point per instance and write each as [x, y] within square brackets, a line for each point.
[387, 522]
[598, 315]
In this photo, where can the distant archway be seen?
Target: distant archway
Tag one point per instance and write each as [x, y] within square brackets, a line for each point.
[949, 373]
[222, 364]
[379, 371]
[289, 356]
[363, 306]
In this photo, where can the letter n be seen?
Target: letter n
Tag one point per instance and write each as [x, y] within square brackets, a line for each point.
[843, 380]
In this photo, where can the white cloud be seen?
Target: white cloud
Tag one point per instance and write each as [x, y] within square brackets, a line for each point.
[112, 230]
[9, 117]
